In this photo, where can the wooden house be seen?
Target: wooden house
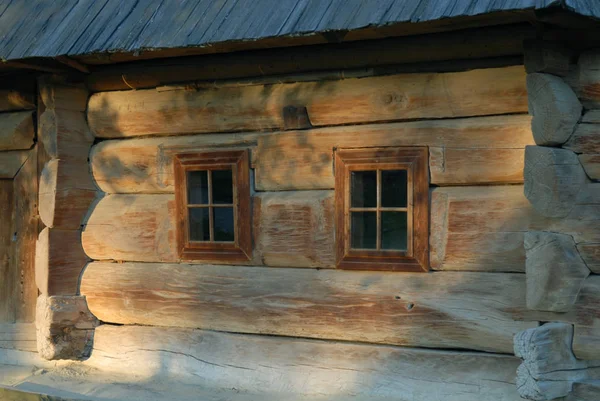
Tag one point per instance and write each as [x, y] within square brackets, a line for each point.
[300, 199]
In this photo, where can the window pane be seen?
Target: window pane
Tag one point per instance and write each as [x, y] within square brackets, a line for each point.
[223, 218]
[199, 224]
[364, 230]
[394, 232]
[363, 188]
[394, 188]
[222, 187]
[197, 182]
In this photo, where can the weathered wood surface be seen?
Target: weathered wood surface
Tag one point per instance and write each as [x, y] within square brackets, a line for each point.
[259, 108]
[16, 130]
[11, 100]
[295, 228]
[591, 117]
[66, 193]
[554, 107]
[586, 343]
[468, 310]
[585, 139]
[587, 79]
[555, 271]
[483, 228]
[25, 233]
[11, 162]
[588, 390]
[18, 336]
[57, 95]
[549, 367]
[13, 394]
[546, 57]
[59, 261]
[65, 134]
[591, 255]
[554, 180]
[7, 249]
[591, 165]
[263, 365]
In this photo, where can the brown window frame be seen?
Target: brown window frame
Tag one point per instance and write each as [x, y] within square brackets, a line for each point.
[412, 159]
[240, 249]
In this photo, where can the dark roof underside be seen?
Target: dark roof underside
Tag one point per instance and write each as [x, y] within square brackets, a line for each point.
[49, 28]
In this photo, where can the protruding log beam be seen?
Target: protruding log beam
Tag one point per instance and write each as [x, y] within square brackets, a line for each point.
[11, 100]
[546, 57]
[65, 135]
[555, 271]
[549, 367]
[554, 107]
[59, 260]
[553, 180]
[16, 130]
[66, 193]
[11, 162]
[64, 327]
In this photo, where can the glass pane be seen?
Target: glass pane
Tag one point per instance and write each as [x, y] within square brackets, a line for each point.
[223, 218]
[363, 188]
[364, 230]
[222, 186]
[199, 224]
[394, 232]
[394, 188]
[197, 182]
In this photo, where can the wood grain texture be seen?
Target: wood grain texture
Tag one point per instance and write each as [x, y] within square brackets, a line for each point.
[59, 261]
[11, 162]
[475, 228]
[11, 100]
[65, 134]
[546, 57]
[591, 165]
[259, 108]
[587, 79]
[18, 336]
[591, 117]
[264, 365]
[58, 95]
[591, 256]
[585, 139]
[8, 266]
[468, 310]
[586, 342]
[16, 130]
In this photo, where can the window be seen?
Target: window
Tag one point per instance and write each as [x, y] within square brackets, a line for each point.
[212, 194]
[382, 201]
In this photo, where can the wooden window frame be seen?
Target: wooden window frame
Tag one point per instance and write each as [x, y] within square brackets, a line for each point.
[412, 159]
[239, 250]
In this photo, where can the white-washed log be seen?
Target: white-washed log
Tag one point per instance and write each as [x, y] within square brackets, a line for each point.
[468, 310]
[11, 162]
[11, 100]
[549, 367]
[555, 271]
[553, 180]
[273, 365]
[554, 107]
[16, 130]
[260, 107]
[546, 57]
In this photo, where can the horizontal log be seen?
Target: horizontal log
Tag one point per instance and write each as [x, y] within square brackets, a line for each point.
[468, 310]
[591, 165]
[18, 336]
[591, 117]
[546, 57]
[11, 100]
[585, 391]
[273, 365]
[474, 228]
[591, 255]
[11, 162]
[16, 130]
[65, 134]
[260, 108]
[585, 139]
[586, 341]
[59, 261]
[587, 79]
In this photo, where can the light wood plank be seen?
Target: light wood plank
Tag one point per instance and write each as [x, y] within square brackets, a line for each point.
[16, 130]
[264, 365]
[467, 310]
[259, 108]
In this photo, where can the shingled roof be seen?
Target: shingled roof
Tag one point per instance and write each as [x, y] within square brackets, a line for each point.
[43, 28]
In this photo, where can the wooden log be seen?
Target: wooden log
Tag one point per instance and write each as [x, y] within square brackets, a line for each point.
[586, 342]
[591, 117]
[8, 266]
[59, 95]
[259, 108]
[18, 336]
[554, 107]
[16, 130]
[553, 180]
[59, 261]
[65, 134]
[295, 228]
[25, 234]
[11, 162]
[585, 139]
[469, 310]
[11, 100]
[588, 390]
[66, 193]
[549, 367]
[591, 165]
[555, 271]
[546, 57]
[273, 365]
[587, 79]
[483, 228]
[591, 256]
